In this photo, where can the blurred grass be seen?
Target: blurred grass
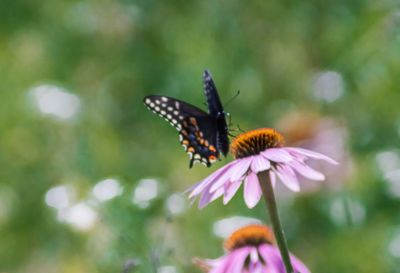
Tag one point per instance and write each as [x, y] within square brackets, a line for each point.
[112, 53]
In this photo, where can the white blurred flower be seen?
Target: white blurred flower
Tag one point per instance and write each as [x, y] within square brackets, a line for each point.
[107, 189]
[175, 204]
[55, 101]
[328, 86]
[80, 216]
[145, 191]
[224, 227]
[60, 197]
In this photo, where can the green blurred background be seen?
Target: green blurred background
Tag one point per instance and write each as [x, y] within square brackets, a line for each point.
[91, 181]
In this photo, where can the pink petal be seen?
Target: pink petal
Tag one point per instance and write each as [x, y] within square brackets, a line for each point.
[298, 265]
[306, 171]
[237, 260]
[310, 154]
[252, 190]
[254, 255]
[258, 268]
[224, 178]
[240, 169]
[277, 155]
[259, 164]
[272, 256]
[221, 266]
[199, 187]
[274, 263]
[208, 197]
[230, 191]
[288, 177]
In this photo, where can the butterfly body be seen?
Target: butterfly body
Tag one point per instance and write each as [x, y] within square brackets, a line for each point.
[203, 135]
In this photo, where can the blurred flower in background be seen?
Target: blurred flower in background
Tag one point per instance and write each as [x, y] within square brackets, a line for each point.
[324, 135]
[250, 249]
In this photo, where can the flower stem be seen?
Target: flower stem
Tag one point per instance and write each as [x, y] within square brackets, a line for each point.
[269, 197]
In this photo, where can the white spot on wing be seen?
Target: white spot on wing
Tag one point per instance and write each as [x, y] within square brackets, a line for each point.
[164, 99]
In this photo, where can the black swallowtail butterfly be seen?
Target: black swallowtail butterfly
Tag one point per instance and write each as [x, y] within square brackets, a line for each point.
[203, 135]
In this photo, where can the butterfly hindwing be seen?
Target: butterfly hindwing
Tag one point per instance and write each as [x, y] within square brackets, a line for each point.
[197, 129]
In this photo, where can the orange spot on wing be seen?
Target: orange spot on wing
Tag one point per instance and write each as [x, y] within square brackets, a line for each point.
[185, 142]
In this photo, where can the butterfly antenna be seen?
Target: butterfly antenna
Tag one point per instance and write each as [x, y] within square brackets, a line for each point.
[239, 129]
[229, 118]
[232, 99]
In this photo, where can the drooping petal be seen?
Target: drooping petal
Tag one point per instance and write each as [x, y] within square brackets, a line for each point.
[230, 191]
[306, 171]
[222, 180]
[272, 261]
[259, 164]
[258, 268]
[238, 258]
[240, 169]
[288, 177]
[298, 265]
[272, 256]
[252, 190]
[254, 255]
[277, 155]
[310, 154]
[208, 197]
[221, 265]
[199, 187]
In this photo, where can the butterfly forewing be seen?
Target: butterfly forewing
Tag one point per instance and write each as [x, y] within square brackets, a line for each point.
[210, 90]
[196, 127]
[217, 111]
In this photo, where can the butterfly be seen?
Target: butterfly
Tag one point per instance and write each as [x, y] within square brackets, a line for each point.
[203, 135]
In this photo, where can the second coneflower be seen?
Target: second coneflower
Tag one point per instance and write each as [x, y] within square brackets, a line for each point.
[250, 249]
[255, 152]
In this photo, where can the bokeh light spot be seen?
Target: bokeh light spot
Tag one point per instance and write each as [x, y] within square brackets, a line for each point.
[145, 191]
[107, 189]
[224, 227]
[328, 86]
[55, 101]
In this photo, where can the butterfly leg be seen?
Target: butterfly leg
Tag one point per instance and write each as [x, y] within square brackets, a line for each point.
[191, 163]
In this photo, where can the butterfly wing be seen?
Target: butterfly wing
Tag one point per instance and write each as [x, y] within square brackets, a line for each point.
[210, 90]
[197, 129]
[217, 111]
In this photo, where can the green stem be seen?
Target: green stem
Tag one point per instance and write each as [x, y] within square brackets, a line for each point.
[269, 197]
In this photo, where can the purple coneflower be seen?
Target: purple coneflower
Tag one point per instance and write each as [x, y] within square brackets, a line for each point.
[257, 151]
[250, 249]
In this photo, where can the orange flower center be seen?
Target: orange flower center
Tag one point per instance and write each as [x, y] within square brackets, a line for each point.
[252, 235]
[255, 141]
